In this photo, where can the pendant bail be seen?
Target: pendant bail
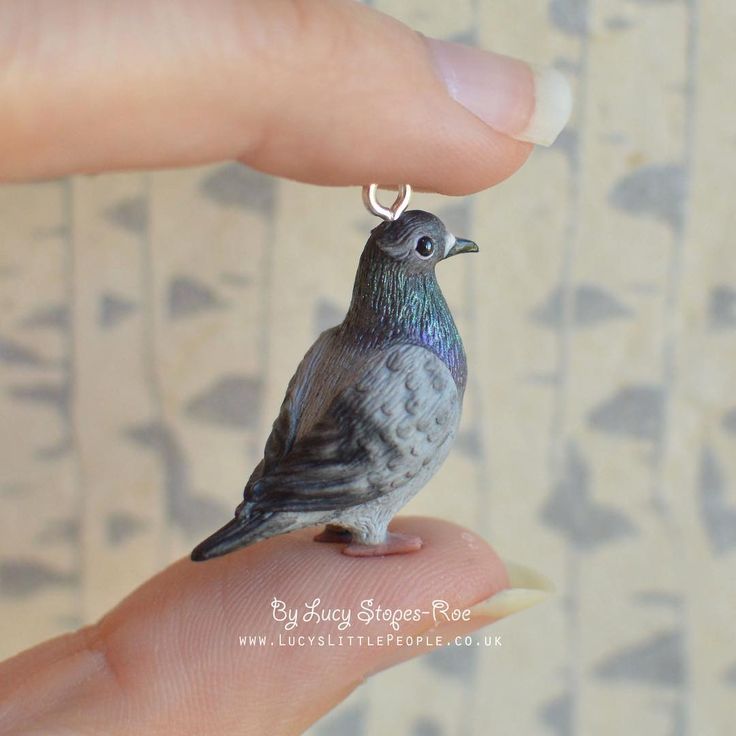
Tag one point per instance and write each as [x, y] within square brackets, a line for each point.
[370, 200]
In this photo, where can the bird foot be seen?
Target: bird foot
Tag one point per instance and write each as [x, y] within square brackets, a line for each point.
[395, 544]
[334, 534]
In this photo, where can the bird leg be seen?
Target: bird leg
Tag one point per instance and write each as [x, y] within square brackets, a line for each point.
[394, 544]
[334, 534]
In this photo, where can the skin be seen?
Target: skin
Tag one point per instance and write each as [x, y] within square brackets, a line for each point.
[167, 659]
[90, 86]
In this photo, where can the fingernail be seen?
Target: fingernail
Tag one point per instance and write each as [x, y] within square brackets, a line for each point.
[528, 103]
[527, 587]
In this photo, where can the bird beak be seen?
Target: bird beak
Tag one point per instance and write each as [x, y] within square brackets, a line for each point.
[462, 245]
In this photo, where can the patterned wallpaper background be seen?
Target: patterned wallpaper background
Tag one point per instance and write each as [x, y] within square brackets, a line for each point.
[149, 324]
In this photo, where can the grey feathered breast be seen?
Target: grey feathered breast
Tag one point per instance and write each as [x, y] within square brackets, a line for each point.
[388, 420]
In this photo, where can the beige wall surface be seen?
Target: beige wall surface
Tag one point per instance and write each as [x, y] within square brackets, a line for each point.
[149, 324]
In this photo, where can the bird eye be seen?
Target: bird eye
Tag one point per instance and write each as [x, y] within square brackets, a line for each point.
[425, 246]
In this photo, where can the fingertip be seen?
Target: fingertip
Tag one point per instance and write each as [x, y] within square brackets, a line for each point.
[478, 166]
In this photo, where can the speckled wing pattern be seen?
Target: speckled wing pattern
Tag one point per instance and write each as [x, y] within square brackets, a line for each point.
[376, 435]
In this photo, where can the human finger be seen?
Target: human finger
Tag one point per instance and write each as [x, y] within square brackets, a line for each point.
[322, 91]
[169, 658]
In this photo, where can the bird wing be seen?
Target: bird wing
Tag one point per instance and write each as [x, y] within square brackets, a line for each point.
[284, 430]
[375, 435]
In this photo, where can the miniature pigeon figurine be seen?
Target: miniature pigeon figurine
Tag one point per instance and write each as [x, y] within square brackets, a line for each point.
[373, 408]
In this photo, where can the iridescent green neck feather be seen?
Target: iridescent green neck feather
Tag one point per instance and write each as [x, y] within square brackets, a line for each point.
[392, 306]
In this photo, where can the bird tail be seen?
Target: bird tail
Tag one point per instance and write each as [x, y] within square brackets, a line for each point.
[238, 532]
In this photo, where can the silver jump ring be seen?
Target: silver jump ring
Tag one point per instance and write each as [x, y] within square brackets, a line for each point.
[370, 200]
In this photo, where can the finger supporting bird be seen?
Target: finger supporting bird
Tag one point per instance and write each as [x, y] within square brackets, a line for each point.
[323, 91]
[169, 657]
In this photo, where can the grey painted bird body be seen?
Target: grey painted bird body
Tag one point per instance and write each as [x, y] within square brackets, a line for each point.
[373, 408]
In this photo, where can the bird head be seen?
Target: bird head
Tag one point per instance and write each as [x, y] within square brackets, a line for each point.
[418, 240]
